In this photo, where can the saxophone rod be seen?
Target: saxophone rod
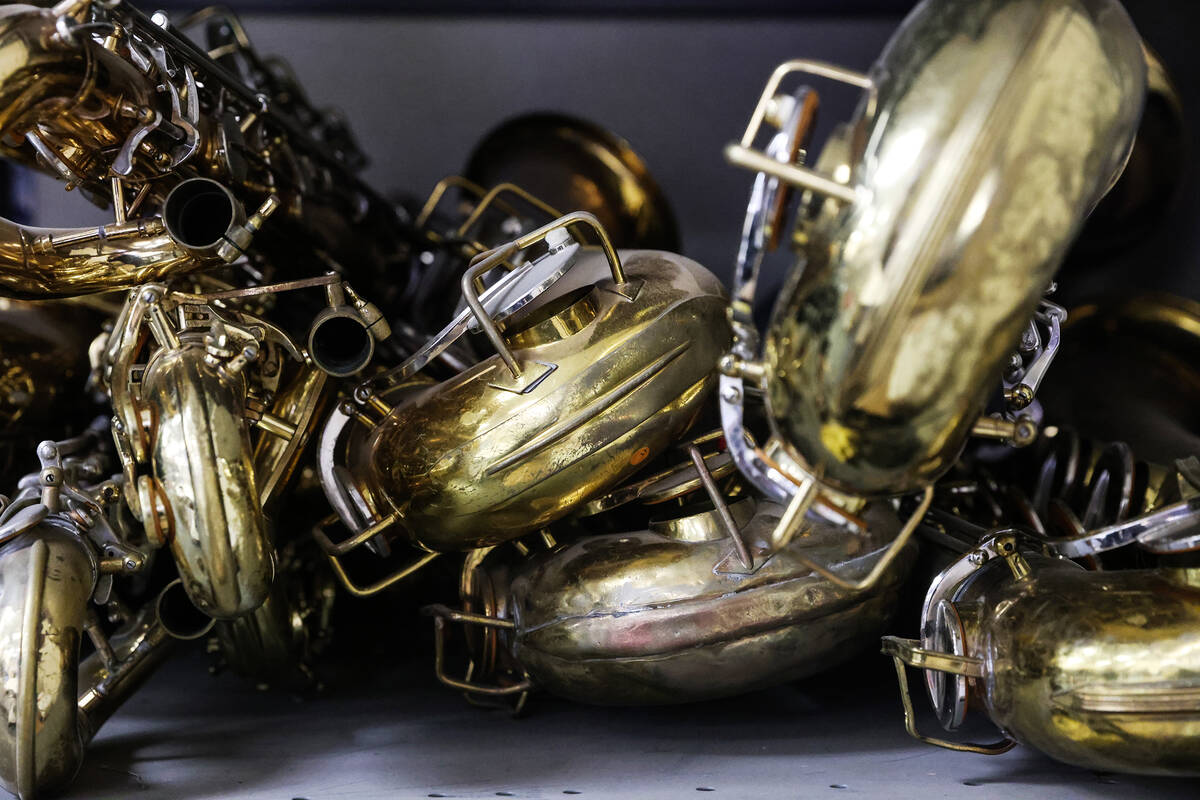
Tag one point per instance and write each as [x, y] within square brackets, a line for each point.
[189, 51]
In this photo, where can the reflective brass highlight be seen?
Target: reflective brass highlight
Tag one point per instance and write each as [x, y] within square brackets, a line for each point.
[43, 747]
[1097, 669]
[201, 460]
[976, 159]
[932, 225]
[63, 543]
[604, 374]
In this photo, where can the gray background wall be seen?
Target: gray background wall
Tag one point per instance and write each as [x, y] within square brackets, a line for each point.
[420, 90]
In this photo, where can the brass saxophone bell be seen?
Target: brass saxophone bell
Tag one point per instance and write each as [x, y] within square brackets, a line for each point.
[916, 275]
[923, 247]
[574, 163]
[603, 371]
[700, 604]
[1097, 669]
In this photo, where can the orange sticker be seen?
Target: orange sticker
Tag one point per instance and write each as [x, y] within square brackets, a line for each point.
[639, 455]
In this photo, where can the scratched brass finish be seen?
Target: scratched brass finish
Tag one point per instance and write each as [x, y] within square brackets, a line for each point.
[1097, 669]
[467, 464]
[990, 129]
[46, 579]
[1105, 673]
[65, 539]
[669, 615]
[209, 430]
[201, 459]
[107, 100]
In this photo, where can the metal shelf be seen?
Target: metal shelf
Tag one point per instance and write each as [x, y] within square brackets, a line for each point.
[392, 732]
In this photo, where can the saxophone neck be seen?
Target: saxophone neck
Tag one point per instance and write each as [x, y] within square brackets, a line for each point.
[39, 263]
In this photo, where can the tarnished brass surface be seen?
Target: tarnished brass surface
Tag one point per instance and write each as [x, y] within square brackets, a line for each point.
[669, 614]
[1104, 667]
[55, 703]
[46, 580]
[66, 537]
[1097, 669]
[201, 459]
[470, 462]
[138, 648]
[990, 129]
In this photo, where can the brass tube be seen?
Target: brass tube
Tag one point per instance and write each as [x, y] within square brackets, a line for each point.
[41, 263]
[139, 649]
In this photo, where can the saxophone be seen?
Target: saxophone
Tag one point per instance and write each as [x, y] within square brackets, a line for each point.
[180, 141]
[1068, 614]
[680, 598]
[69, 551]
[127, 108]
[1093, 668]
[603, 359]
[929, 228]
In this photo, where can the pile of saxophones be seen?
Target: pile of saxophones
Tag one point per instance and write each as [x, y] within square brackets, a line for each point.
[653, 498]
